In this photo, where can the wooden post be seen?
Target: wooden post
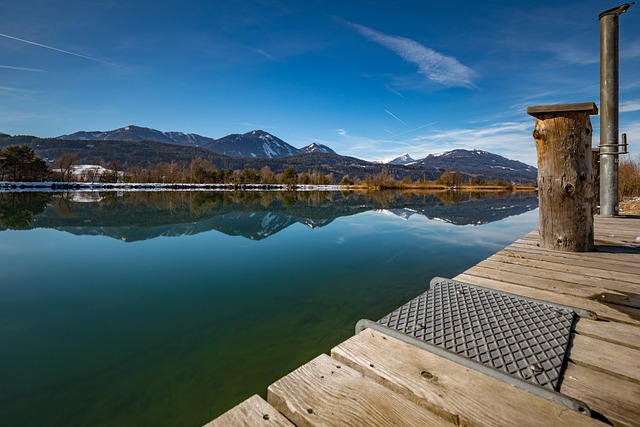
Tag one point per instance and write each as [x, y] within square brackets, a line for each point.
[565, 180]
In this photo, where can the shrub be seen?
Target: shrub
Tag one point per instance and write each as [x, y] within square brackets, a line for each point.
[629, 178]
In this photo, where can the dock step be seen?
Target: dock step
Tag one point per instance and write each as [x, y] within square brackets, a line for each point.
[325, 392]
[252, 412]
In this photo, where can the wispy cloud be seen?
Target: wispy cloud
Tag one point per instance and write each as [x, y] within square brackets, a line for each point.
[628, 106]
[630, 51]
[9, 67]
[66, 52]
[14, 90]
[442, 69]
[569, 53]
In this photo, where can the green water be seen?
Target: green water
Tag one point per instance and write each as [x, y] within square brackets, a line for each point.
[140, 309]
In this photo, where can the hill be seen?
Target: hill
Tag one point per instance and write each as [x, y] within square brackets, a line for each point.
[255, 144]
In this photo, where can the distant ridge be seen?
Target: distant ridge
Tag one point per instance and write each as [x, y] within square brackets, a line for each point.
[134, 133]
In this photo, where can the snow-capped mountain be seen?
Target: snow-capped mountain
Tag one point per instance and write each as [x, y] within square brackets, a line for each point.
[257, 143]
[405, 159]
[317, 148]
[137, 134]
[478, 162]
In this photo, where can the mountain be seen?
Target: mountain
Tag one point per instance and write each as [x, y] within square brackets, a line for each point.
[138, 134]
[257, 144]
[317, 148]
[405, 159]
[480, 164]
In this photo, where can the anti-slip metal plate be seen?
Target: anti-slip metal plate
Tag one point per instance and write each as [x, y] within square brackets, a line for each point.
[521, 337]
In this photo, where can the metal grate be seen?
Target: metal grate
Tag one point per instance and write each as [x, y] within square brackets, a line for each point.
[521, 337]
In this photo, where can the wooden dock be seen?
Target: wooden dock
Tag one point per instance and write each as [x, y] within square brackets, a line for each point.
[375, 380]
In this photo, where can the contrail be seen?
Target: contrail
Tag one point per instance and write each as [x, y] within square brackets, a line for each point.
[60, 50]
[9, 67]
[407, 131]
[396, 117]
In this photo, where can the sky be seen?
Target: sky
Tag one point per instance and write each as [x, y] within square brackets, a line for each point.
[370, 79]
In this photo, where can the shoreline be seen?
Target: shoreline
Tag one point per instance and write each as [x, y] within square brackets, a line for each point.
[58, 186]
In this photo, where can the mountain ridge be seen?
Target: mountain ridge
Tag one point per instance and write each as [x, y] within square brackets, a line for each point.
[256, 149]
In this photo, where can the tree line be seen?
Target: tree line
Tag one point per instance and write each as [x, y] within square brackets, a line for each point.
[20, 163]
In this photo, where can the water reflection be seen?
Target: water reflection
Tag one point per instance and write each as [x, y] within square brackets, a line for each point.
[135, 216]
[165, 332]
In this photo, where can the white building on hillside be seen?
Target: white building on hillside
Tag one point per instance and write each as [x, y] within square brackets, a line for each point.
[90, 173]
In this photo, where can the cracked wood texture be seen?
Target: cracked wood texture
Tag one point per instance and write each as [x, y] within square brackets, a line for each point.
[325, 392]
[565, 180]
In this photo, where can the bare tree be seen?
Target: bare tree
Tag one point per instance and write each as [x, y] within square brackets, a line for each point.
[65, 164]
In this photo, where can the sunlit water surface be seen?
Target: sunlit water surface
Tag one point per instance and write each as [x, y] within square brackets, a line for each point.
[168, 309]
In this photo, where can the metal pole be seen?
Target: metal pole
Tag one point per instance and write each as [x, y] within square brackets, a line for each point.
[609, 109]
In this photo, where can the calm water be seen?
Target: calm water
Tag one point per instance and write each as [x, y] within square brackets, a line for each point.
[168, 308]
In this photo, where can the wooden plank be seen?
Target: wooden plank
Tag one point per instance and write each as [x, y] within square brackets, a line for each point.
[589, 270]
[252, 412]
[563, 262]
[582, 286]
[623, 256]
[615, 233]
[464, 395]
[622, 230]
[623, 223]
[614, 359]
[568, 283]
[619, 226]
[615, 400]
[586, 107]
[615, 332]
[603, 311]
[325, 392]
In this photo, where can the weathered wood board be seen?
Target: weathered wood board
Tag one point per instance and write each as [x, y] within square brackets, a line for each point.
[615, 400]
[617, 333]
[325, 392]
[614, 359]
[252, 412]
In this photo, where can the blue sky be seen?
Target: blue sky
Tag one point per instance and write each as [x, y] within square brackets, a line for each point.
[371, 79]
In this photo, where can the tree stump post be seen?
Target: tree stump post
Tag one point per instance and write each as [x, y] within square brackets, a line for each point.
[565, 181]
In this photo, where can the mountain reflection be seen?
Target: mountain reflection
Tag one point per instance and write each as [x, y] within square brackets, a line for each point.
[134, 216]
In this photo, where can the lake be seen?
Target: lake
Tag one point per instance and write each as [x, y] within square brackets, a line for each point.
[168, 308]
